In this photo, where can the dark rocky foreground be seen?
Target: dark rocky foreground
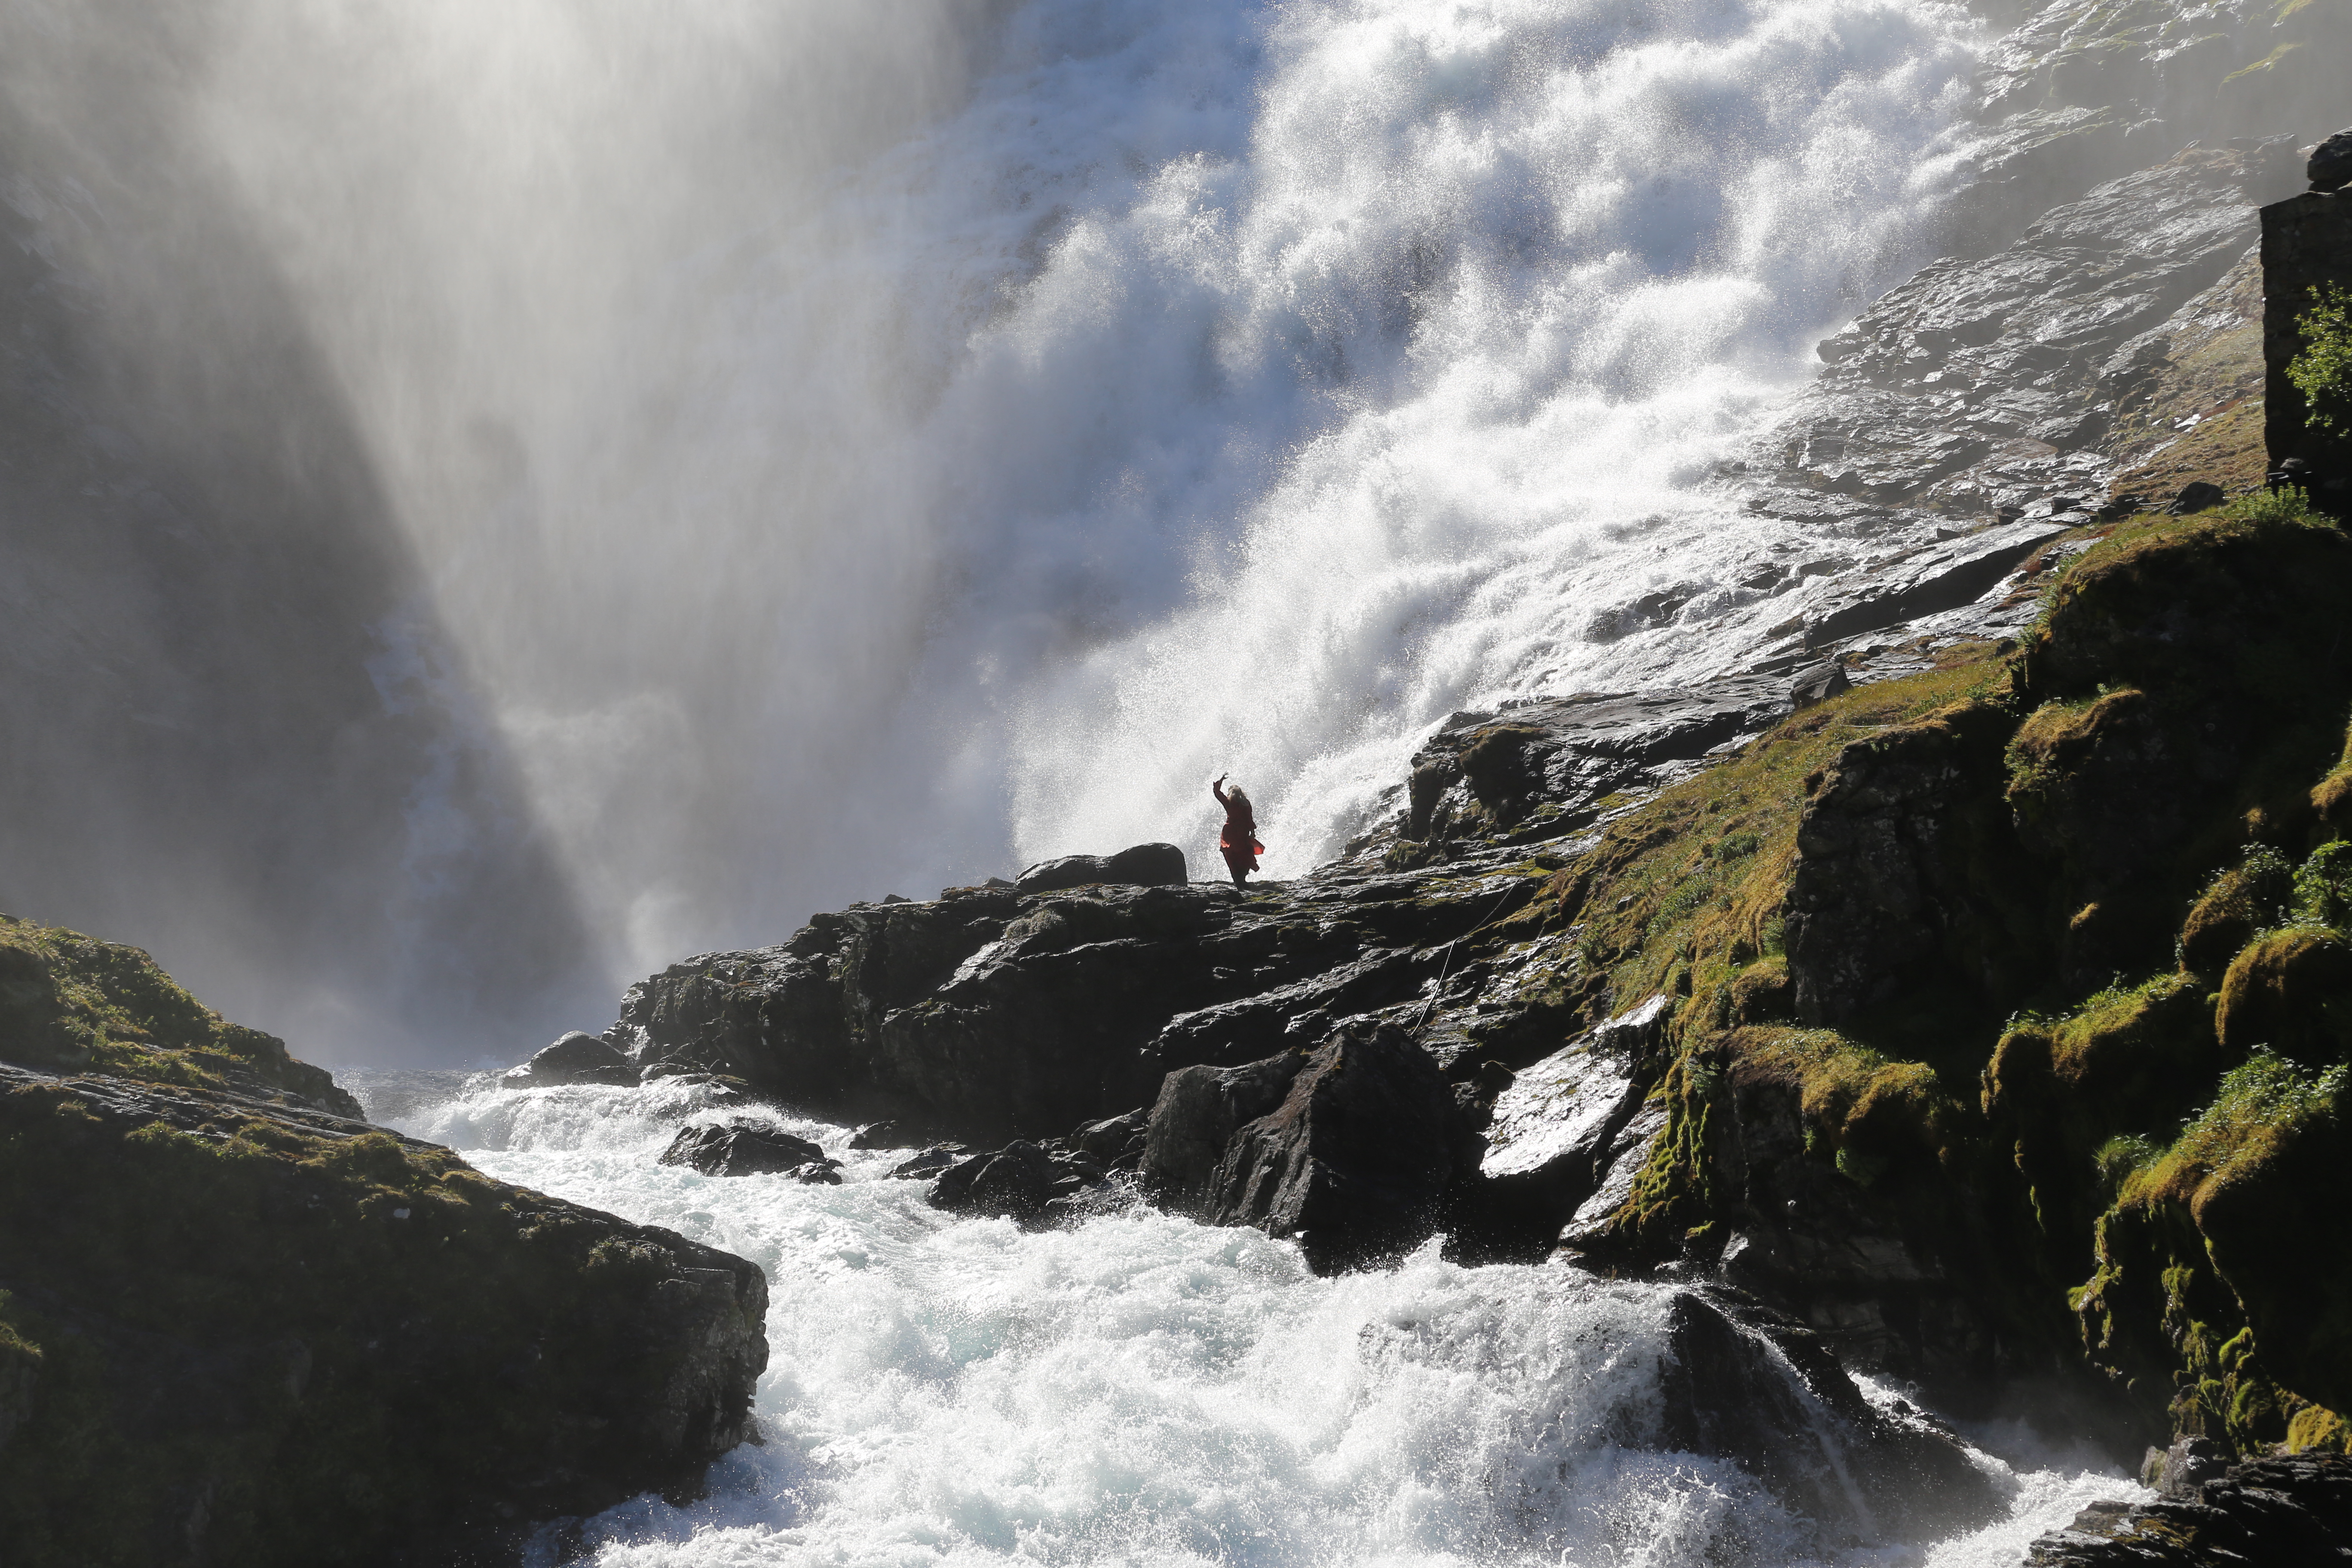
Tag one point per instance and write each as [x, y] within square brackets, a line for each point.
[2293, 1511]
[239, 1325]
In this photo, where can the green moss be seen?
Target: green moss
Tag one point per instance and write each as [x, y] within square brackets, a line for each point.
[2239, 902]
[2291, 989]
[68, 1002]
[2323, 887]
[2262, 1102]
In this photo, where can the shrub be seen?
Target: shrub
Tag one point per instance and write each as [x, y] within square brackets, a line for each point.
[2322, 372]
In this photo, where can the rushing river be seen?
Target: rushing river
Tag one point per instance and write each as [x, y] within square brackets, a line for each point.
[1144, 1391]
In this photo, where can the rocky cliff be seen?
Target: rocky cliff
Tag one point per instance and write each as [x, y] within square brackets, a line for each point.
[1965, 975]
[237, 1325]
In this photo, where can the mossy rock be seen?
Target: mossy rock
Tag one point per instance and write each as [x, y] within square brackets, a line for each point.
[262, 1337]
[68, 1002]
[2207, 608]
[2331, 799]
[2240, 901]
[2292, 991]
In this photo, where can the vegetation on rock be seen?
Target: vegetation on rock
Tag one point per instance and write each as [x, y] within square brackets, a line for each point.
[2322, 371]
[2048, 947]
[238, 1325]
[68, 1002]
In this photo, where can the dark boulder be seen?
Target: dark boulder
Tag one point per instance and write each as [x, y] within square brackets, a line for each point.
[1143, 865]
[1117, 1141]
[2285, 1509]
[1199, 1110]
[883, 1135]
[577, 1057]
[742, 1149]
[1015, 1182]
[1354, 1161]
[2330, 168]
[930, 1162]
[1819, 684]
[1744, 1384]
[2198, 494]
[287, 1301]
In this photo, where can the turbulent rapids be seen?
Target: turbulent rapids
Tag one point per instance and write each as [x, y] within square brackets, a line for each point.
[1743, 551]
[1141, 1390]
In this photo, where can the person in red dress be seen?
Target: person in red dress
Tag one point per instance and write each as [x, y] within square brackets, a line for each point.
[1239, 844]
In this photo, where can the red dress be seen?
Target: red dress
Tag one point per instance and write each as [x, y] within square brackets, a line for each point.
[1239, 845]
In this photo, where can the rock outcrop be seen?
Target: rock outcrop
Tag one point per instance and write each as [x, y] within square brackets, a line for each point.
[2285, 1509]
[577, 1057]
[1747, 1386]
[1144, 864]
[988, 1012]
[1351, 1147]
[233, 1330]
[2306, 250]
[748, 1149]
[68, 1002]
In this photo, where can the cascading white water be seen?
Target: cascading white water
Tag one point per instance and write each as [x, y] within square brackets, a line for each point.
[870, 446]
[1143, 1391]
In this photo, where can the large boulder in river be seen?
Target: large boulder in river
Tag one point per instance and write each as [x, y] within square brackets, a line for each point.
[577, 1057]
[742, 1149]
[1353, 1157]
[258, 1333]
[1745, 1384]
[1144, 864]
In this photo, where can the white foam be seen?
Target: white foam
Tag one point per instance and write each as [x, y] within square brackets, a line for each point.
[1141, 1390]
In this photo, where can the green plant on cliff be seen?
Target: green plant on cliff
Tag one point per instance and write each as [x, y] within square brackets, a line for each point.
[2322, 369]
[2262, 1100]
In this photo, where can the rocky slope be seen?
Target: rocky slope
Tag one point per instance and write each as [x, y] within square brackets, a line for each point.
[239, 1325]
[1965, 976]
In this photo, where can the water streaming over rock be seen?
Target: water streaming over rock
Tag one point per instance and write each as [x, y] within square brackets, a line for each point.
[844, 448]
[1141, 1390]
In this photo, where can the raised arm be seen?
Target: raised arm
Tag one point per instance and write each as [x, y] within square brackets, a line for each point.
[1217, 788]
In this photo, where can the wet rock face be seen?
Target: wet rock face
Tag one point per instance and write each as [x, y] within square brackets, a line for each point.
[1553, 1127]
[988, 1012]
[1537, 771]
[1745, 1384]
[2291, 1510]
[1981, 388]
[245, 1305]
[1354, 1161]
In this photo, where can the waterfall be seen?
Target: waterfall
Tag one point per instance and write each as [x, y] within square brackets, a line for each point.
[851, 449]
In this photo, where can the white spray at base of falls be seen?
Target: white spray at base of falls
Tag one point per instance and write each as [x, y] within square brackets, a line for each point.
[1141, 1390]
[856, 449]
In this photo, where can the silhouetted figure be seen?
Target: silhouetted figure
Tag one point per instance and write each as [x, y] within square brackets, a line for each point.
[1239, 845]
